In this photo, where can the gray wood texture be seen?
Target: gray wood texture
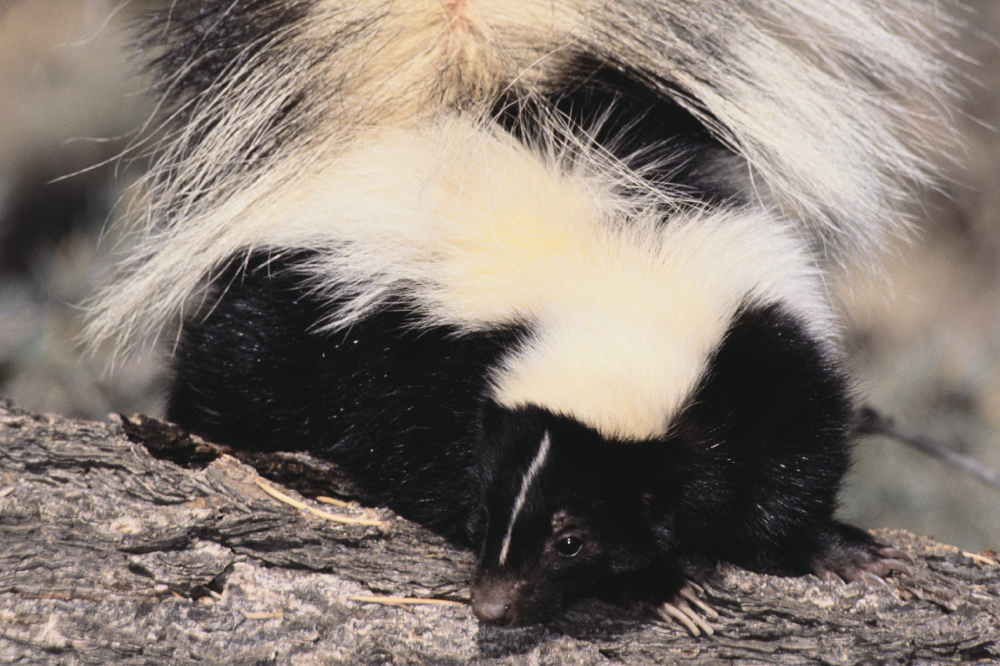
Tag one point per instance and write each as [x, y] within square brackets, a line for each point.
[109, 555]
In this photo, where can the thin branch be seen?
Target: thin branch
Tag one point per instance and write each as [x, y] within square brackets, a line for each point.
[868, 421]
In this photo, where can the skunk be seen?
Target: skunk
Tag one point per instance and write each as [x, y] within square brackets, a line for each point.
[550, 277]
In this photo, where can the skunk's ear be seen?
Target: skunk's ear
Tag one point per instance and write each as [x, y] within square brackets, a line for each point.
[492, 420]
[502, 427]
[657, 471]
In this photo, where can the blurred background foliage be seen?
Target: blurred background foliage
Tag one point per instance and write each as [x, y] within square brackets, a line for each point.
[924, 340]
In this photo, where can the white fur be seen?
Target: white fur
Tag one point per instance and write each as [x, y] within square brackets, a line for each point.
[626, 305]
[537, 463]
[816, 95]
[624, 346]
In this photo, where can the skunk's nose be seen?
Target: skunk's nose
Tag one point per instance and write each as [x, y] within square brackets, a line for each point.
[492, 602]
[492, 611]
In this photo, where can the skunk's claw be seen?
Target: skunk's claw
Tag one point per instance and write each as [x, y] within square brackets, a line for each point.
[872, 569]
[688, 593]
[895, 554]
[679, 611]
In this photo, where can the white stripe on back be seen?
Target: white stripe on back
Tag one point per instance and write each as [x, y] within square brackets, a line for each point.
[529, 477]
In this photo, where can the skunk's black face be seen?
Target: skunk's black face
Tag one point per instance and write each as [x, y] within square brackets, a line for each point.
[747, 472]
[565, 514]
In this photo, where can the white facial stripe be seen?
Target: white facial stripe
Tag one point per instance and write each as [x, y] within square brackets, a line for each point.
[529, 478]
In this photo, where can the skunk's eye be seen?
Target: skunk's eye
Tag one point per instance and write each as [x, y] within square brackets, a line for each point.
[569, 546]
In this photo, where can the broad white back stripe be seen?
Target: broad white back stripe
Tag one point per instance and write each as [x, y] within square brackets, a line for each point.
[529, 478]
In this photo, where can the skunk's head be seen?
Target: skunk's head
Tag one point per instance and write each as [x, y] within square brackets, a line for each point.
[564, 512]
[605, 509]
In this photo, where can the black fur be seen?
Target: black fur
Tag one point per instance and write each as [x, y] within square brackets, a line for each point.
[748, 474]
[620, 110]
[203, 40]
[199, 45]
[394, 405]
[751, 464]
[605, 496]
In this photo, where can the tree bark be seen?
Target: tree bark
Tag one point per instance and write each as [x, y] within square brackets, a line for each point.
[111, 555]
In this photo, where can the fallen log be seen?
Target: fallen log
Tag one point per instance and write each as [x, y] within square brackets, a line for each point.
[110, 554]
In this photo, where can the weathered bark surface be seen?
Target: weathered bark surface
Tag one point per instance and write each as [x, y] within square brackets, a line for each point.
[111, 556]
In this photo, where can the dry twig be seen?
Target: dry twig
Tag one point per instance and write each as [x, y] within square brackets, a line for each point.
[347, 520]
[870, 422]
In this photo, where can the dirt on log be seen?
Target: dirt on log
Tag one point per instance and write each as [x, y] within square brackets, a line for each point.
[111, 555]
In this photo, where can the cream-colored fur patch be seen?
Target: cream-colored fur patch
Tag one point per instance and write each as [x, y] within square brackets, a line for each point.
[429, 53]
[626, 344]
[626, 305]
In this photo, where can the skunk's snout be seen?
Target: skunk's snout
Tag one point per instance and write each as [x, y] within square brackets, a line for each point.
[493, 602]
